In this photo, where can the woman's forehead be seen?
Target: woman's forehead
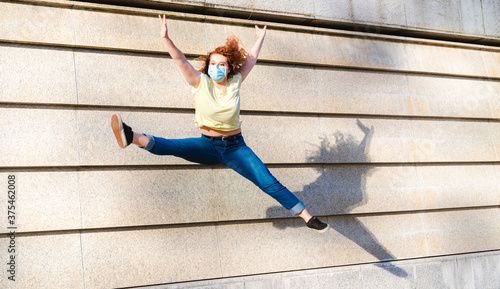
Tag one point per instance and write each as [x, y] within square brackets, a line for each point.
[218, 58]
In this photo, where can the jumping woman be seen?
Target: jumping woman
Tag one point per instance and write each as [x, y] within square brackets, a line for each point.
[216, 91]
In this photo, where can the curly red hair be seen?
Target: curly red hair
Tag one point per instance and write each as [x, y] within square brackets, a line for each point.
[235, 55]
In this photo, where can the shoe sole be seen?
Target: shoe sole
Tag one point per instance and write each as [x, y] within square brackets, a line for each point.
[116, 125]
[322, 231]
[325, 229]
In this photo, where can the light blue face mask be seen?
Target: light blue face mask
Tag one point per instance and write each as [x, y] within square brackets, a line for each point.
[217, 73]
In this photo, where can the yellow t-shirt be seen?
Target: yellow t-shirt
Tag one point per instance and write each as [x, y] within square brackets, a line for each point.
[218, 109]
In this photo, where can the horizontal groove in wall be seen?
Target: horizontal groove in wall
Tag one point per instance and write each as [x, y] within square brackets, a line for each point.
[238, 222]
[14, 169]
[173, 110]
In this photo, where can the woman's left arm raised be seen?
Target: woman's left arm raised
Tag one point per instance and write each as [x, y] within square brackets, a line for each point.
[254, 53]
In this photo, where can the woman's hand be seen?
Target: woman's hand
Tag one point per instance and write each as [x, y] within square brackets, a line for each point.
[164, 30]
[261, 33]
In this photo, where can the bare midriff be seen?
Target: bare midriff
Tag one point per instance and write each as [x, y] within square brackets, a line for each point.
[213, 132]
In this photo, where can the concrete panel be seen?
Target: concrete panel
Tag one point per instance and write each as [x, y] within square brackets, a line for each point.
[465, 271]
[138, 257]
[461, 231]
[389, 13]
[122, 198]
[495, 136]
[491, 16]
[130, 80]
[103, 29]
[447, 60]
[359, 52]
[369, 189]
[340, 279]
[453, 141]
[38, 137]
[45, 201]
[364, 141]
[453, 97]
[492, 62]
[147, 197]
[296, 7]
[321, 140]
[377, 238]
[387, 275]
[37, 75]
[44, 261]
[30, 23]
[282, 88]
[450, 16]
[459, 186]
[343, 91]
[253, 248]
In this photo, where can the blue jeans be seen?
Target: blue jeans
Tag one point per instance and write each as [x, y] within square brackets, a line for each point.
[233, 154]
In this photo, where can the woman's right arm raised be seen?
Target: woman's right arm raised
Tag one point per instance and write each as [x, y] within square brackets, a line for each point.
[192, 76]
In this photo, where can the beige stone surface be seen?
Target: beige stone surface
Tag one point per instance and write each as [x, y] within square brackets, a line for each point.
[360, 92]
[44, 201]
[376, 238]
[453, 97]
[455, 141]
[457, 17]
[495, 137]
[119, 198]
[459, 186]
[138, 257]
[32, 23]
[44, 261]
[492, 62]
[65, 200]
[491, 18]
[270, 247]
[372, 189]
[446, 60]
[364, 140]
[461, 231]
[273, 87]
[135, 32]
[312, 139]
[37, 75]
[295, 7]
[382, 12]
[130, 80]
[360, 52]
[38, 137]
[84, 137]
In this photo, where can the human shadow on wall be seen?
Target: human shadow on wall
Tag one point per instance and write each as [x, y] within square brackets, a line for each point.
[343, 190]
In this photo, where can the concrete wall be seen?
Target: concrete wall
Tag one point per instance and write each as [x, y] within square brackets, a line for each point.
[395, 141]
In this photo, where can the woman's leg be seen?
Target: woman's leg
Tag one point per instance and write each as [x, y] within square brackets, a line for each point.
[245, 162]
[197, 150]
[140, 139]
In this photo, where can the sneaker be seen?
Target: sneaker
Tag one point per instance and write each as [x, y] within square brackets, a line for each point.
[123, 132]
[315, 224]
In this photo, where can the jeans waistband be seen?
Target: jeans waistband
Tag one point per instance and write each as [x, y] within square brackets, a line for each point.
[224, 138]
